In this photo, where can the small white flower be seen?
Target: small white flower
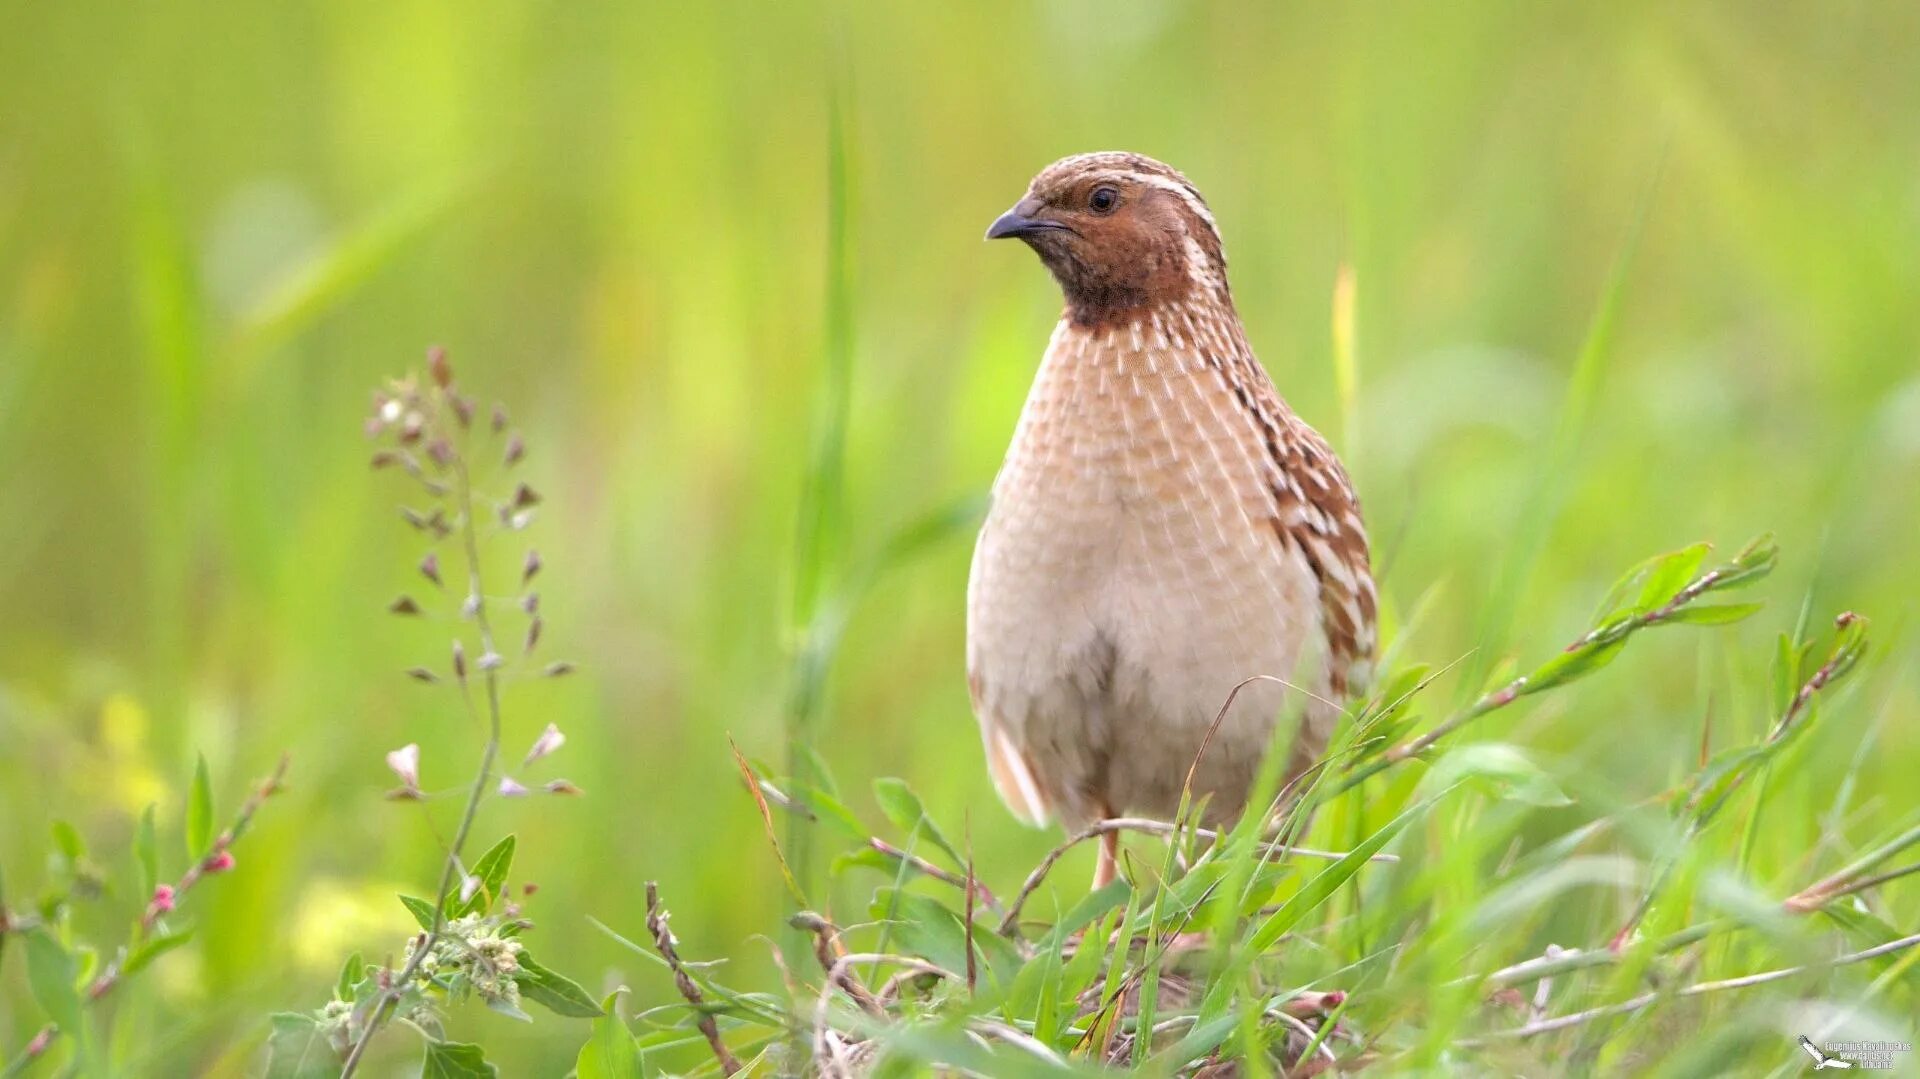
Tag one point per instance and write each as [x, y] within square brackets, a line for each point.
[511, 788]
[549, 740]
[469, 884]
[405, 763]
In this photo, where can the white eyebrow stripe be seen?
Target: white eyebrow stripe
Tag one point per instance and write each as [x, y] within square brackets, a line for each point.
[1184, 192]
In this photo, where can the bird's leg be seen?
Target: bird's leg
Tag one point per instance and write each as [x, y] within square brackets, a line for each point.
[1108, 865]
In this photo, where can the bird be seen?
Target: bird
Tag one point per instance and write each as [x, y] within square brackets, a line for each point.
[1164, 535]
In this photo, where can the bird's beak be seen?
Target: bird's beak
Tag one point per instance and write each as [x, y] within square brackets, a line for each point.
[1023, 220]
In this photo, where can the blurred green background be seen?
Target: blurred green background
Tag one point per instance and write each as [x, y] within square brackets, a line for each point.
[222, 225]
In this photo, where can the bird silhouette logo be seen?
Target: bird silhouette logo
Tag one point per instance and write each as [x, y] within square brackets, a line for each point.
[1822, 1061]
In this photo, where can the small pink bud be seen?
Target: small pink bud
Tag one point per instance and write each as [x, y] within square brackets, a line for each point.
[511, 788]
[549, 740]
[218, 862]
[405, 763]
[499, 417]
[430, 567]
[162, 900]
[516, 449]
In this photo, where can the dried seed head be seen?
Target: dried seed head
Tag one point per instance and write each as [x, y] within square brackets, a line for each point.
[499, 418]
[416, 518]
[516, 449]
[430, 567]
[441, 451]
[524, 496]
[533, 635]
[530, 567]
[384, 459]
[561, 786]
[530, 603]
[421, 674]
[459, 661]
[462, 409]
[404, 605]
[438, 366]
[558, 669]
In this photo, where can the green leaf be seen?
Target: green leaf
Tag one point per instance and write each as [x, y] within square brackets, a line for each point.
[421, 910]
[610, 1052]
[354, 969]
[1670, 574]
[555, 992]
[146, 851]
[295, 1049]
[508, 1008]
[1714, 614]
[904, 808]
[1786, 672]
[67, 839]
[1510, 773]
[927, 928]
[1570, 666]
[152, 949]
[1867, 930]
[1614, 604]
[200, 813]
[820, 805]
[492, 870]
[866, 858]
[1329, 880]
[456, 1060]
[52, 974]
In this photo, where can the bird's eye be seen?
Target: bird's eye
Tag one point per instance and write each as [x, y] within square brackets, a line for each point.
[1103, 199]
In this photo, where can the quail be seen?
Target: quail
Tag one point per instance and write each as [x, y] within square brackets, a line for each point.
[1163, 529]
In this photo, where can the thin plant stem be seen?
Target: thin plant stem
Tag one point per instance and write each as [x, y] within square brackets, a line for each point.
[1563, 1022]
[449, 873]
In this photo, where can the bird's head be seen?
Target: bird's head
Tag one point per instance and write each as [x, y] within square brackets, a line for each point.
[1122, 234]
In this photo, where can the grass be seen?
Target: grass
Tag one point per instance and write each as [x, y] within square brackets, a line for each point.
[217, 229]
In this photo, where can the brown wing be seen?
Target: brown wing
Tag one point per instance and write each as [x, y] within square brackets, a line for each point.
[1317, 514]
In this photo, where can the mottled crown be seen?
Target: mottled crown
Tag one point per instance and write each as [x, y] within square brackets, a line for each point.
[1124, 234]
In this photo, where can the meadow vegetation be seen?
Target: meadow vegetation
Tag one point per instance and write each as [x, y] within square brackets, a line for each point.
[1566, 289]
